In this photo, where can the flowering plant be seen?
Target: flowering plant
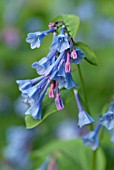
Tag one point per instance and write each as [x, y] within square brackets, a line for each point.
[55, 81]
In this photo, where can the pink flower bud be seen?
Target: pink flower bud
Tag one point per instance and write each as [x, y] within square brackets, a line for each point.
[51, 24]
[74, 54]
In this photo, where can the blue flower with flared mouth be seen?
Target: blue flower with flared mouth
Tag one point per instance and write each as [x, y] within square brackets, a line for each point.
[60, 42]
[36, 38]
[45, 62]
[34, 94]
[25, 84]
[84, 117]
[36, 108]
[91, 139]
[107, 119]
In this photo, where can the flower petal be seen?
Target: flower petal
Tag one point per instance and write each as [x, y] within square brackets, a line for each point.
[91, 139]
[84, 119]
[35, 111]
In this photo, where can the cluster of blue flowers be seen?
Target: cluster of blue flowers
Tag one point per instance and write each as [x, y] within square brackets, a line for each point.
[54, 70]
[92, 138]
[107, 120]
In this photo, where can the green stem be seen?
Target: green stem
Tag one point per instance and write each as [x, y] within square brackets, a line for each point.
[83, 88]
[94, 160]
[101, 135]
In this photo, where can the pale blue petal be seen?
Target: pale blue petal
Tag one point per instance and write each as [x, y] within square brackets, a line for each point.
[35, 111]
[42, 65]
[35, 44]
[107, 120]
[24, 84]
[84, 119]
[91, 140]
[32, 92]
[64, 46]
[32, 36]
[40, 68]
[35, 39]
[67, 82]
[60, 43]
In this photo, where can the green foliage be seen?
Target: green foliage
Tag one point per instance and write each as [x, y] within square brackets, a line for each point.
[70, 155]
[90, 55]
[48, 108]
[71, 21]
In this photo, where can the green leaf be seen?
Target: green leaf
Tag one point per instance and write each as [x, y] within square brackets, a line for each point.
[71, 21]
[48, 108]
[90, 55]
[70, 155]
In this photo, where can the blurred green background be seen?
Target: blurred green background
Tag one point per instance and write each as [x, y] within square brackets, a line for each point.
[17, 18]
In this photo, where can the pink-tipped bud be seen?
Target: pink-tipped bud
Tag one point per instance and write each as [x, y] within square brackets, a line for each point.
[67, 67]
[67, 64]
[51, 25]
[51, 91]
[74, 54]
